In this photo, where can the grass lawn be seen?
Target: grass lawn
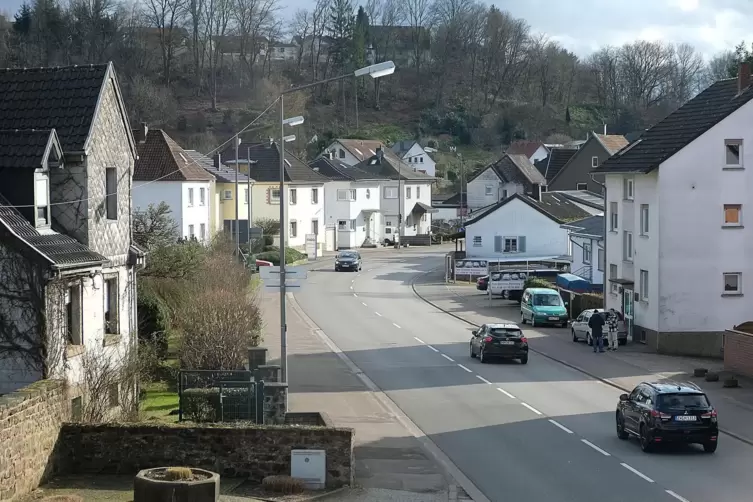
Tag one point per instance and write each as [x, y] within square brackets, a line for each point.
[159, 401]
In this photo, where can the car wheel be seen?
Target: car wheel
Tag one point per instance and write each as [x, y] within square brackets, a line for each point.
[524, 359]
[481, 358]
[589, 341]
[473, 354]
[646, 444]
[563, 325]
[710, 447]
[621, 432]
[533, 322]
[575, 337]
[337, 269]
[522, 318]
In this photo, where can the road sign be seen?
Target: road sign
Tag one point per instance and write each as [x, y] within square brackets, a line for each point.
[289, 284]
[291, 273]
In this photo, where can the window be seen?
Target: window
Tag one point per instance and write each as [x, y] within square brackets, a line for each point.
[587, 253]
[418, 192]
[407, 192]
[293, 196]
[421, 159]
[627, 188]
[41, 197]
[489, 190]
[245, 195]
[315, 196]
[594, 161]
[390, 192]
[111, 306]
[613, 216]
[733, 215]
[627, 242]
[191, 232]
[346, 195]
[644, 219]
[203, 231]
[612, 271]
[315, 227]
[293, 229]
[509, 244]
[111, 189]
[190, 197]
[644, 285]
[274, 196]
[77, 409]
[73, 315]
[113, 395]
[504, 194]
[341, 153]
[388, 223]
[202, 196]
[476, 241]
[733, 151]
[733, 283]
[227, 194]
[346, 225]
[602, 259]
[581, 186]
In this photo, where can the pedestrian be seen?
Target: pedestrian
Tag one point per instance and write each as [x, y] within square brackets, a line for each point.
[596, 323]
[612, 320]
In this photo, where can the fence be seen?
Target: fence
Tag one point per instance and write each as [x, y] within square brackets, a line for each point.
[220, 396]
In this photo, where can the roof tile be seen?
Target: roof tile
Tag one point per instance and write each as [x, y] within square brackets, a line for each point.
[162, 159]
[23, 148]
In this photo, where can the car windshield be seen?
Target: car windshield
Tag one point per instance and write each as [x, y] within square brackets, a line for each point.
[547, 300]
[505, 332]
[682, 401]
[347, 255]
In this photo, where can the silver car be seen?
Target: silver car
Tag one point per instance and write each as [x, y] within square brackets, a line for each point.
[580, 330]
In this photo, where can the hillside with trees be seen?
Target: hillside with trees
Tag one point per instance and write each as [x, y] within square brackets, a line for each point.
[468, 75]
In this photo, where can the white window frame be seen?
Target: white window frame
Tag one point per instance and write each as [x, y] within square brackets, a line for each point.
[601, 257]
[202, 231]
[739, 290]
[190, 197]
[346, 194]
[643, 286]
[613, 271]
[739, 144]
[42, 199]
[739, 222]
[315, 226]
[581, 186]
[202, 196]
[349, 225]
[489, 190]
[293, 196]
[272, 198]
[627, 246]
[390, 192]
[293, 228]
[513, 239]
[645, 221]
[477, 242]
[614, 217]
[407, 192]
[245, 195]
[587, 253]
[628, 188]
[594, 161]
[191, 231]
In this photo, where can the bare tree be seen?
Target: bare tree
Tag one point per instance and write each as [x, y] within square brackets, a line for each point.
[645, 70]
[254, 19]
[686, 73]
[418, 14]
[605, 69]
[196, 12]
[717, 68]
[217, 15]
[301, 28]
[167, 16]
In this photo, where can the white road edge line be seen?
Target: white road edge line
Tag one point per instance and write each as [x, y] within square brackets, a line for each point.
[432, 348]
[606, 454]
[636, 472]
[362, 303]
[555, 423]
[466, 369]
[396, 325]
[483, 379]
[419, 340]
[351, 287]
[532, 408]
[355, 295]
[678, 497]
[503, 391]
[448, 358]
[377, 313]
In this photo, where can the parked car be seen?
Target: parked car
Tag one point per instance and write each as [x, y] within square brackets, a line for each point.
[348, 260]
[482, 283]
[667, 412]
[543, 306]
[499, 341]
[580, 330]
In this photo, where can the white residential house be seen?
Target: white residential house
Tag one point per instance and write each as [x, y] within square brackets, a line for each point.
[521, 227]
[351, 151]
[677, 247]
[352, 205]
[69, 261]
[164, 172]
[587, 249]
[413, 154]
[534, 151]
[511, 174]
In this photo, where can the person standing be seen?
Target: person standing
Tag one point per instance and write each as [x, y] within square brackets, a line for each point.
[612, 320]
[596, 323]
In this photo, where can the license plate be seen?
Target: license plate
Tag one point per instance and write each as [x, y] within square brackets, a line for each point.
[554, 318]
[506, 342]
[685, 418]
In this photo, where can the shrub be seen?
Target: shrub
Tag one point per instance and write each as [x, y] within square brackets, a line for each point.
[282, 484]
[536, 282]
[273, 255]
[205, 405]
[153, 318]
[178, 473]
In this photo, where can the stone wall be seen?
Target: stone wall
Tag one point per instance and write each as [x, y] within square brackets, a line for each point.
[231, 450]
[30, 421]
[738, 352]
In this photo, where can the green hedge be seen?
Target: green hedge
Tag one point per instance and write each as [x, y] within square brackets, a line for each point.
[291, 256]
[536, 282]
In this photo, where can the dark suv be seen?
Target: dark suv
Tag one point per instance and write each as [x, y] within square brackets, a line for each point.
[667, 412]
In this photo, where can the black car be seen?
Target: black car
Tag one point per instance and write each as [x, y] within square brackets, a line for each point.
[500, 341]
[667, 412]
[348, 260]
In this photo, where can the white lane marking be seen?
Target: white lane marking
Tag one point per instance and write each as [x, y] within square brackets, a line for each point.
[532, 408]
[503, 391]
[554, 422]
[355, 295]
[636, 472]
[432, 348]
[589, 443]
[377, 313]
[483, 379]
[419, 340]
[466, 369]
[448, 358]
[678, 497]
[351, 287]
[396, 325]
[362, 303]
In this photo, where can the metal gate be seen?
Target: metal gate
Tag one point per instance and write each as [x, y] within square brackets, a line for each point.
[220, 396]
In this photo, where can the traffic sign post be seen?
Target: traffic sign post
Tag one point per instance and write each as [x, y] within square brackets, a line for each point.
[294, 277]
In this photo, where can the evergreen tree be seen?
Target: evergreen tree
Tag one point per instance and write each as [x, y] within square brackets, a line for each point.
[742, 55]
[360, 36]
[341, 24]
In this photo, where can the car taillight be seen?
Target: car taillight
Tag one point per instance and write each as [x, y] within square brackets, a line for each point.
[711, 415]
[523, 340]
[488, 339]
[658, 414]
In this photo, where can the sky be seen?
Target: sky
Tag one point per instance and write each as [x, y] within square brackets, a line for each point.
[583, 26]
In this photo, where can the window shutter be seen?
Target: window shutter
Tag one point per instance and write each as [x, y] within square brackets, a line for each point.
[497, 243]
[521, 244]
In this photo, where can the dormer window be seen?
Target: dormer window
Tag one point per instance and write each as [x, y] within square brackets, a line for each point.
[42, 198]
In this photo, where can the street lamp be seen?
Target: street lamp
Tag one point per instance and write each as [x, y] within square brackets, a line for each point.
[375, 71]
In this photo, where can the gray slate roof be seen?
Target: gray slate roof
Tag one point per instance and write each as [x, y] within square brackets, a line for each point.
[223, 174]
[678, 129]
[551, 205]
[23, 148]
[514, 168]
[267, 167]
[338, 171]
[592, 226]
[391, 167]
[558, 157]
[584, 197]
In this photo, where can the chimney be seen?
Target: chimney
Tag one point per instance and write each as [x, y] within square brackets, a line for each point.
[605, 129]
[536, 192]
[271, 141]
[139, 135]
[217, 161]
[379, 153]
[743, 76]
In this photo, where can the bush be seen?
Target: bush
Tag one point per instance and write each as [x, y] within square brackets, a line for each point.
[153, 318]
[272, 254]
[536, 282]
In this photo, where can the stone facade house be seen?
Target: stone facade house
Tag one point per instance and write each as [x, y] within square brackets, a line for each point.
[67, 260]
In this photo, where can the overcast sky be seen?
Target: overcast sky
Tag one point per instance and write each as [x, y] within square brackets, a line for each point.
[585, 25]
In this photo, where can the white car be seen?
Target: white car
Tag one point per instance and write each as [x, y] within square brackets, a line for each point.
[580, 330]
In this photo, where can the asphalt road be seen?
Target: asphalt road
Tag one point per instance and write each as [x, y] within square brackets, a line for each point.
[539, 432]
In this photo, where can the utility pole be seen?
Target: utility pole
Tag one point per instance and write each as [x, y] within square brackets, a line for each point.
[248, 200]
[463, 207]
[237, 192]
[400, 203]
[283, 288]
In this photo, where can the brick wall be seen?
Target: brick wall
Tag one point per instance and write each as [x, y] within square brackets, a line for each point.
[30, 420]
[738, 352]
[235, 451]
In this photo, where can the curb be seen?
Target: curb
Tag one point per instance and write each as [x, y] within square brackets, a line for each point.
[553, 358]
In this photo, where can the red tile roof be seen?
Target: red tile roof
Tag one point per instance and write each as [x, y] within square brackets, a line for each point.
[523, 147]
[162, 159]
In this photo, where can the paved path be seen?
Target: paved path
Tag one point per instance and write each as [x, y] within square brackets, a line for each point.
[540, 432]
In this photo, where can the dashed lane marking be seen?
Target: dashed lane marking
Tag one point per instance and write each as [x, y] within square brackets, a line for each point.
[503, 391]
[589, 443]
[466, 369]
[377, 313]
[355, 295]
[432, 348]
[448, 358]
[678, 497]
[637, 472]
[362, 303]
[532, 408]
[396, 325]
[483, 379]
[419, 340]
[555, 423]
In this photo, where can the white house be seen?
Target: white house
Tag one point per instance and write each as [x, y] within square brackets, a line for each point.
[448, 208]
[165, 173]
[521, 227]
[352, 204]
[511, 174]
[352, 151]
[677, 247]
[413, 154]
[534, 151]
[587, 248]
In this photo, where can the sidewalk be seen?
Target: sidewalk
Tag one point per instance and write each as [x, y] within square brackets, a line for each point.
[629, 366]
[391, 464]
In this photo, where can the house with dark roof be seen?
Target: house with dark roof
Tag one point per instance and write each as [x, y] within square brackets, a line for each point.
[511, 174]
[412, 153]
[523, 226]
[586, 248]
[68, 260]
[555, 161]
[576, 173]
[533, 150]
[677, 237]
[165, 173]
[448, 207]
[352, 151]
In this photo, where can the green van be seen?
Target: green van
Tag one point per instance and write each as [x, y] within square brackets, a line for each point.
[543, 306]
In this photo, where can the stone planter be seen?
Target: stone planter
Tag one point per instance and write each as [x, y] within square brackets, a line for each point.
[730, 383]
[700, 372]
[154, 485]
[712, 377]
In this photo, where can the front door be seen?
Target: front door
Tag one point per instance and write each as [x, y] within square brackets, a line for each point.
[627, 310]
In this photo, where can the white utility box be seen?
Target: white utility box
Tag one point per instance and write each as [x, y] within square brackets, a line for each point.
[309, 466]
